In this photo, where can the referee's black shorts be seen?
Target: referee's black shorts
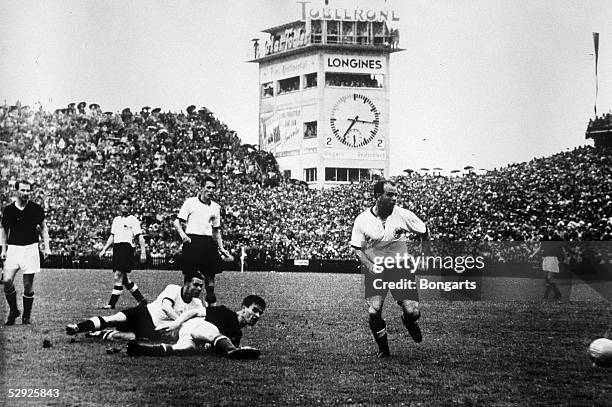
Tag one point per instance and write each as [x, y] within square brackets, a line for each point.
[201, 255]
[123, 257]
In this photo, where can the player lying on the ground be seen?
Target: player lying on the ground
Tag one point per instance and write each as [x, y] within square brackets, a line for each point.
[221, 329]
[175, 304]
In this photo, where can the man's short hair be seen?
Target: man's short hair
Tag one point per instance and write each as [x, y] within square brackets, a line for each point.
[188, 277]
[209, 178]
[125, 198]
[254, 299]
[22, 182]
[379, 187]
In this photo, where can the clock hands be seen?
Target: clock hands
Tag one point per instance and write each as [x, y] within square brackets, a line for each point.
[360, 121]
[353, 121]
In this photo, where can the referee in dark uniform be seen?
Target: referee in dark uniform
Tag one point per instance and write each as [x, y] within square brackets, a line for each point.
[19, 241]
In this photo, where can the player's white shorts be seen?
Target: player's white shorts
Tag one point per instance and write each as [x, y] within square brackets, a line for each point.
[550, 264]
[24, 258]
[197, 331]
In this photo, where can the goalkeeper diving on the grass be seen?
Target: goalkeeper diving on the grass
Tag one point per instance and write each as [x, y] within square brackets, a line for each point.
[178, 312]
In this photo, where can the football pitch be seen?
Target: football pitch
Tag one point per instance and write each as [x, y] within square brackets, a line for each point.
[316, 348]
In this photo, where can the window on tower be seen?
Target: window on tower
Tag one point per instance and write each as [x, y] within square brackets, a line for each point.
[289, 85]
[310, 174]
[310, 80]
[310, 129]
[267, 90]
[352, 174]
[348, 32]
[354, 80]
[333, 32]
[316, 32]
[363, 33]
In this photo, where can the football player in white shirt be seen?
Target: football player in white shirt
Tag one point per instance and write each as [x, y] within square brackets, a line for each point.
[124, 230]
[377, 232]
[202, 243]
[175, 303]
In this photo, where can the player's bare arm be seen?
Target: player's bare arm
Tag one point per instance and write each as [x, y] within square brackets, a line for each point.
[3, 243]
[179, 227]
[109, 243]
[168, 310]
[44, 231]
[216, 233]
[184, 317]
[363, 258]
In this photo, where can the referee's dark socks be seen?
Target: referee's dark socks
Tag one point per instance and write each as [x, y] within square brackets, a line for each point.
[92, 324]
[379, 330]
[134, 290]
[28, 299]
[11, 297]
[117, 290]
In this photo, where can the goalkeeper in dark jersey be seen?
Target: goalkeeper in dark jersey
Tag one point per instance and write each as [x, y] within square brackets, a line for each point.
[220, 330]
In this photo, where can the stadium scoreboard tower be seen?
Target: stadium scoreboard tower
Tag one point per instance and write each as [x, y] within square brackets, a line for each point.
[324, 94]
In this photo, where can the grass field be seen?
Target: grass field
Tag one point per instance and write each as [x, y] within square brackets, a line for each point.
[317, 348]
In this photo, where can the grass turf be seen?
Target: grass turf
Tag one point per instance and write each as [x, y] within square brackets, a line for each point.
[317, 348]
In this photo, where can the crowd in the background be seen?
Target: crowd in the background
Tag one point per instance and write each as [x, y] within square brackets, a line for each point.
[82, 160]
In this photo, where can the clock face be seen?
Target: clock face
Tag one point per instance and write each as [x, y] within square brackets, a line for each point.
[354, 120]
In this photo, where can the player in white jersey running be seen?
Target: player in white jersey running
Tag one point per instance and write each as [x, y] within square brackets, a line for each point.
[201, 236]
[175, 303]
[124, 230]
[378, 232]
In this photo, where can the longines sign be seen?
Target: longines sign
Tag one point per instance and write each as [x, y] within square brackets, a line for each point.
[328, 13]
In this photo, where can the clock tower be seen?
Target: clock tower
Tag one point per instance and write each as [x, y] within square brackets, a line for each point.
[324, 94]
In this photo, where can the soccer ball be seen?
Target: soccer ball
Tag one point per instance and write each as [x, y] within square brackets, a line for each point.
[600, 352]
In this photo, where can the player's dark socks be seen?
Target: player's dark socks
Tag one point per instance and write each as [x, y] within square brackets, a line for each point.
[11, 297]
[413, 328]
[12, 316]
[135, 291]
[28, 300]
[379, 330]
[92, 324]
[136, 349]
[115, 294]
[223, 344]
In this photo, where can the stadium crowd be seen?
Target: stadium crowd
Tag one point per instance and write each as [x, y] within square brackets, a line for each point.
[82, 160]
